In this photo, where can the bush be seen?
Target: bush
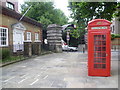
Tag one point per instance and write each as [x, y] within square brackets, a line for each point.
[113, 36]
[117, 36]
[5, 53]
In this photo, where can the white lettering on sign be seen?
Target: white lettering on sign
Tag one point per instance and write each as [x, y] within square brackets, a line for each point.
[68, 37]
[99, 28]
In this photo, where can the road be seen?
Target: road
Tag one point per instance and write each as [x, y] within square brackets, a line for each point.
[57, 70]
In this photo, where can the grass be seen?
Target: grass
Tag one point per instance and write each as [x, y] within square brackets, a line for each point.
[11, 58]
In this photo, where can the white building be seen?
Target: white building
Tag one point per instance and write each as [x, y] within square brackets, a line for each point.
[115, 26]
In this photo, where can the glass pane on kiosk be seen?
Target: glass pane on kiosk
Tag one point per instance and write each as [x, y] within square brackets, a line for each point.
[99, 51]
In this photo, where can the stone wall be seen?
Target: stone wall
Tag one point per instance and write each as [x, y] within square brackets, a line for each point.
[36, 48]
[32, 48]
[54, 36]
[27, 49]
[115, 44]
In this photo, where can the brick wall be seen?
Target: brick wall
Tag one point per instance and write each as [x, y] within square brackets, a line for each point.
[115, 41]
[8, 21]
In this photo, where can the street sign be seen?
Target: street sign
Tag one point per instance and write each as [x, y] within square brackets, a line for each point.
[68, 33]
[68, 36]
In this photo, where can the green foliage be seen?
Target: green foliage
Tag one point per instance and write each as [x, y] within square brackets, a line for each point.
[117, 36]
[73, 41]
[117, 13]
[86, 11]
[5, 53]
[76, 33]
[76, 36]
[45, 13]
[113, 36]
[44, 21]
[7, 57]
[12, 58]
[82, 12]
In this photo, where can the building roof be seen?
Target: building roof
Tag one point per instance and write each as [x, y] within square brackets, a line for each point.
[67, 25]
[14, 14]
[96, 20]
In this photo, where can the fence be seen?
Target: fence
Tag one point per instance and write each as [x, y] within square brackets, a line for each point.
[44, 47]
[115, 47]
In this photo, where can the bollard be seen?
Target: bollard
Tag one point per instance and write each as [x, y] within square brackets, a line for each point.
[83, 50]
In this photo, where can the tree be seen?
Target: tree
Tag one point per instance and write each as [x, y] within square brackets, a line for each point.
[82, 12]
[76, 36]
[86, 11]
[117, 13]
[45, 13]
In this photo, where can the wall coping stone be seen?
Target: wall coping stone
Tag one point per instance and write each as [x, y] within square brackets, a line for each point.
[54, 25]
[27, 41]
[37, 41]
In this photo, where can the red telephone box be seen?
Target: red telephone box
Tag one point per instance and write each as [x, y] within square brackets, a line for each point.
[99, 50]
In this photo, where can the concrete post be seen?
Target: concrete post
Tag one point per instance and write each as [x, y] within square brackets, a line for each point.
[37, 48]
[28, 49]
[54, 36]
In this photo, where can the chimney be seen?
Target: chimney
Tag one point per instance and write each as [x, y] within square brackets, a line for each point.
[11, 4]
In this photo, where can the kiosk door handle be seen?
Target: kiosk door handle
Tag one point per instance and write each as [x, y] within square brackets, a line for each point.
[106, 54]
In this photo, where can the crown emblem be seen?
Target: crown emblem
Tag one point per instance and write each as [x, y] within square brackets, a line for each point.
[98, 23]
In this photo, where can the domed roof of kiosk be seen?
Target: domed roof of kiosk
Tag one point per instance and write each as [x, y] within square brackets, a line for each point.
[99, 20]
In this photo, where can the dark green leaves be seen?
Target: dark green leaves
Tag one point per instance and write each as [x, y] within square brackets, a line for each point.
[45, 13]
[86, 11]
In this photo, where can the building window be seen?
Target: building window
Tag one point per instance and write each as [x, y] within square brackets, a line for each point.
[28, 36]
[36, 36]
[3, 36]
[10, 5]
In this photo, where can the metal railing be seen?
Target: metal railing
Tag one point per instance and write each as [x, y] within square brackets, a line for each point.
[44, 47]
[115, 47]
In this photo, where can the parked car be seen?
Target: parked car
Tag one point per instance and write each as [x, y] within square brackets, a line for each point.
[68, 48]
[65, 47]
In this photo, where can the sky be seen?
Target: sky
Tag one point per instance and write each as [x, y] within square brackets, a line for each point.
[58, 4]
[62, 6]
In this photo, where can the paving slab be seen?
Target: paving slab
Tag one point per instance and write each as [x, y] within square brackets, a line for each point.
[57, 70]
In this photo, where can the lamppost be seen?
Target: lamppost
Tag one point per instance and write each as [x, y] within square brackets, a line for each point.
[68, 37]
[68, 34]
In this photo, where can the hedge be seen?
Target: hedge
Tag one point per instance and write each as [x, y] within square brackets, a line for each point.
[113, 36]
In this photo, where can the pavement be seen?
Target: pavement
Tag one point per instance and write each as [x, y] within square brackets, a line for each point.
[57, 70]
